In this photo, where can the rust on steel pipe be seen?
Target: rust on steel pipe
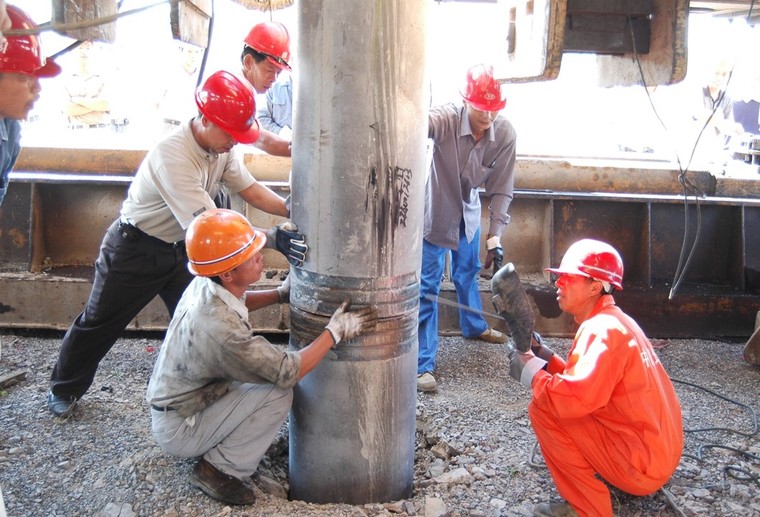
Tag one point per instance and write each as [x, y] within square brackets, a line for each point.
[359, 166]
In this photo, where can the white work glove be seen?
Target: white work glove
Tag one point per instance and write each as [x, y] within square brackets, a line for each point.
[286, 239]
[347, 325]
[523, 366]
[283, 291]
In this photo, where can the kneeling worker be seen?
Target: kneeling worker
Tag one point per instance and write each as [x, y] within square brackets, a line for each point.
[610, 410]
[218, 390]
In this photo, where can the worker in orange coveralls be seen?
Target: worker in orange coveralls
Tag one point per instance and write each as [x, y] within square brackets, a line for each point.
[610, 409]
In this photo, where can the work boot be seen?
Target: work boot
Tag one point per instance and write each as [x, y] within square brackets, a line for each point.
[554, 510]
[61, 406]
[426, 382]
[221, 486]
[492, 336]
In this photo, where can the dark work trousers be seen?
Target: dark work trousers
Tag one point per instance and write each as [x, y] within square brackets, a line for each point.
[131, 270]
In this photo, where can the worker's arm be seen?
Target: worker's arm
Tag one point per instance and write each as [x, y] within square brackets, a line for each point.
[272, 143]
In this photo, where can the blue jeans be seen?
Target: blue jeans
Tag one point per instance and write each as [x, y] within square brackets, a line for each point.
[465, 267]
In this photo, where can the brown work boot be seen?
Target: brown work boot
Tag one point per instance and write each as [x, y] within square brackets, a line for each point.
[221, 486]
[554, 510]
[426, 382]
[492, 336]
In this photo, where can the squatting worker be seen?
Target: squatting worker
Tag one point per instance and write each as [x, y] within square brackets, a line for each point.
[21, 66]
[143, 252]
[610, 410]
[218, 390]
[474, 147]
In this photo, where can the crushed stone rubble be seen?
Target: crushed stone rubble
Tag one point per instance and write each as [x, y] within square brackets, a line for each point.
[475, 452]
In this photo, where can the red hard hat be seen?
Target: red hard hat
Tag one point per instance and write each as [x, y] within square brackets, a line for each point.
[22, 54]
[273, 40]
[592, 259]
[229, 103]
[482, 90]
[219, 240]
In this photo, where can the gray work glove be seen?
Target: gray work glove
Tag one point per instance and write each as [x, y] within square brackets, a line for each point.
[523, 366]
[494, 254]
[348, 325]
[283, 291]
[286, 239]
[539, 349]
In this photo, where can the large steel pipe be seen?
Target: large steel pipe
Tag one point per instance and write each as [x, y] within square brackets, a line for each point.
[357, 192]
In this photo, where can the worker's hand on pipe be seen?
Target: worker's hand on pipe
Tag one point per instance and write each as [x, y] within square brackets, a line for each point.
[494, 254]
[539, 349]
[283, 291]
[286, 239]
[524, 365]
[346, 324]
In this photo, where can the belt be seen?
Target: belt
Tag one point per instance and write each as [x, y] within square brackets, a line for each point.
[86, 126]
[131, 232]
[162, 409]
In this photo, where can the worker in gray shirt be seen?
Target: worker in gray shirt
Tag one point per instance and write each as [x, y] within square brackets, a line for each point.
[474, 147]
[219, 391]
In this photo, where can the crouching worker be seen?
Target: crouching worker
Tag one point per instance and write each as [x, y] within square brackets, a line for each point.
[610, 409]
[219, 391]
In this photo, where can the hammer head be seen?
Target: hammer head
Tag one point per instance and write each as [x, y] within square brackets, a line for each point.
[512, 304]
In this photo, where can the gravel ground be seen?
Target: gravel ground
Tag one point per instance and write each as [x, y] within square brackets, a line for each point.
[475, 449]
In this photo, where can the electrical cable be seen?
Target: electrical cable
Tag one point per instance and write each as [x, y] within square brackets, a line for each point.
[733, 471]
[680, 268]
[683, 265]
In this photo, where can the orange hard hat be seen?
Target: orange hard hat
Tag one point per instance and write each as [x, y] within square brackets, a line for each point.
[593, 259]
[22, 54]
[482, 90]
[273, 40]
[229, 103]
[219, 240]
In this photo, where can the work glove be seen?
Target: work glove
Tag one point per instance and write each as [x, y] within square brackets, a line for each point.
[283, 291]
[494, 254]
[539, 349]
[345, 324]
[523, 366]
[286, 239]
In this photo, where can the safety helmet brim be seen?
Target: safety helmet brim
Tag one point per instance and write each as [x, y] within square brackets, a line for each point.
[280, 63]
[51, 69]
[492, 106]
[245, 137]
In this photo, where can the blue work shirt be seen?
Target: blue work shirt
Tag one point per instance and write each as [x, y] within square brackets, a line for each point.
[10, 146]
[461, 166]
[278, 112]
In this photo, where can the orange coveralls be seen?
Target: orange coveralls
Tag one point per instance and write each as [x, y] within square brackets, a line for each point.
[611, 409]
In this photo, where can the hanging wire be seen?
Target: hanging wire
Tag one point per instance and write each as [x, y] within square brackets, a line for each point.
[84, 24]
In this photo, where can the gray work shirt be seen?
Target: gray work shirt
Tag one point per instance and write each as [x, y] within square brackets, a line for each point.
[460, 166]
[209, 345]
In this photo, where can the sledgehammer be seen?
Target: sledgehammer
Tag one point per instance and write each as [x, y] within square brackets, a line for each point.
[513, 305]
